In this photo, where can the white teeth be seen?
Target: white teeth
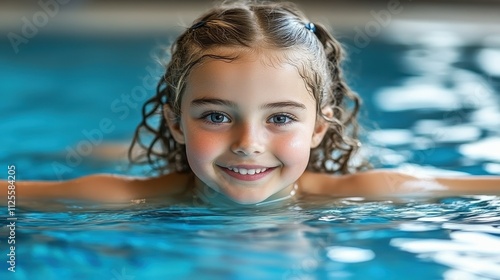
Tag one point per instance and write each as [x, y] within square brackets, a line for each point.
[244, 171]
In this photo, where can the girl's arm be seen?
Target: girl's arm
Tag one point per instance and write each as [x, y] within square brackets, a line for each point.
[471, 184]
[102, 188]
[385, 182]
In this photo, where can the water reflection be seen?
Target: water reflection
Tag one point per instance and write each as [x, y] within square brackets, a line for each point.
[489, 60]
[315, 238]
[450, 106]
[470, 252]
[349, 254]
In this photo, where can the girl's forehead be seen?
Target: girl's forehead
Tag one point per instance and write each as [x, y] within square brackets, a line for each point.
[247, 74]
[251, 63]
[244, 70]
[268, 56]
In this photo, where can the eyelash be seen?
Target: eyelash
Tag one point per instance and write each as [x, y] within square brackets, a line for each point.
[205, 117]
[289, 116]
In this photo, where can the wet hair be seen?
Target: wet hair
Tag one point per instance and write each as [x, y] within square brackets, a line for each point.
[258, 27]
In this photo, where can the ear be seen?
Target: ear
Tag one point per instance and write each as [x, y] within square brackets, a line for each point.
[321, 127]
[174, 124]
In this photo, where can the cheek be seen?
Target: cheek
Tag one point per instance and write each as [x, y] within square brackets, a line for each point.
[293, 149]
[202, 147]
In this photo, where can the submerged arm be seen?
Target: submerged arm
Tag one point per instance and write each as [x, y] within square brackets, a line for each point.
[105, 188]
[102, 187]
[385, 182]
[471, 184]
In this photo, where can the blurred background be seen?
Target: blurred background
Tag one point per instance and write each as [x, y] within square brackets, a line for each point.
[74, 74]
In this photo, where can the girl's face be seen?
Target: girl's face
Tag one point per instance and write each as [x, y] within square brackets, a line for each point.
[248, 127]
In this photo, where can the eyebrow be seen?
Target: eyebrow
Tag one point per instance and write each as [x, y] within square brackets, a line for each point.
[213, 101]
[227, 103]
[284, 104]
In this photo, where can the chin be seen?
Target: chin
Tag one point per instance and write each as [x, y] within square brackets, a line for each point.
[246, 200]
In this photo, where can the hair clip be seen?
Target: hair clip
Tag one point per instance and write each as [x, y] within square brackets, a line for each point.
[311, 27]
[198, 24]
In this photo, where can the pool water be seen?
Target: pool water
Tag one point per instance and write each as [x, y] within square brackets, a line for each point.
[351, 238]
[430, 107]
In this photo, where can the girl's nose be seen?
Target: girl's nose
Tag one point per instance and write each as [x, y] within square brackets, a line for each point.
[248, 141]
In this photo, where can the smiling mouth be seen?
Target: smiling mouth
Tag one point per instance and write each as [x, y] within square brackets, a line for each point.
[245, 171]
[247, 174]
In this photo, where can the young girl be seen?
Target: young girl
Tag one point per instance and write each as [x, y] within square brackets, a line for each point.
[254, 110]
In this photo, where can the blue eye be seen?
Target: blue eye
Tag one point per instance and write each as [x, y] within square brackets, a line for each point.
[215, 117]
[281, 119]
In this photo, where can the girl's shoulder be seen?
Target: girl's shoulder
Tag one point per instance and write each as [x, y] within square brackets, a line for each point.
[125, 188]
[371, 182]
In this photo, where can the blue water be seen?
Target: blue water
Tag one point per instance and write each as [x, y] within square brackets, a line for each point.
[348, 238]
[429, 109]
